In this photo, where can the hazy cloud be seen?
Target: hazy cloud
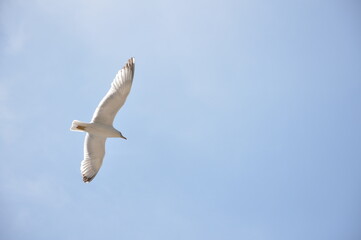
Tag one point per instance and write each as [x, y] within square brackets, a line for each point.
[8, 130]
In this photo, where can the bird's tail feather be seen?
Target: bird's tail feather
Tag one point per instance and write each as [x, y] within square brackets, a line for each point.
[79, 126]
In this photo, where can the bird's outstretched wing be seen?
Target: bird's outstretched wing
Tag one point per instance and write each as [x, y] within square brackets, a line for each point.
[116, 96]
[94, 150]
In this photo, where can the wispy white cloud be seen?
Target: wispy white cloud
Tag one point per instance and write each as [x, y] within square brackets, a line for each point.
[12, 29]
[38, 190]
[8, 130]
[23, 195]
[16, 39]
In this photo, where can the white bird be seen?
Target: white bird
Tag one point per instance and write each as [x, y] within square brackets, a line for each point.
[101, 126]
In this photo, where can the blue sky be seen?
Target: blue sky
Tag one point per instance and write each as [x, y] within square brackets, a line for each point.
[243, 121]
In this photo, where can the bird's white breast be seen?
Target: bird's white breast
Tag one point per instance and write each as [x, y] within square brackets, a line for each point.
[102, 130]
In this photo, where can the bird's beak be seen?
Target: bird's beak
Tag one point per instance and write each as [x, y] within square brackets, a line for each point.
[123, 137]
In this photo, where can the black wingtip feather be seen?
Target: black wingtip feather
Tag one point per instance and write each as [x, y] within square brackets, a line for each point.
[87, 180]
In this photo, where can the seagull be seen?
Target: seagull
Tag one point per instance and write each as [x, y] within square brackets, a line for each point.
[101, 126]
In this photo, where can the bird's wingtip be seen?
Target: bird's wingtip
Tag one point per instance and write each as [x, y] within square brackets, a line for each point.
[130, 62]
[87, 179]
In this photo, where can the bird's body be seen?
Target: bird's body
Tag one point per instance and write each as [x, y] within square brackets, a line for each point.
[97, 129]
[101, 126]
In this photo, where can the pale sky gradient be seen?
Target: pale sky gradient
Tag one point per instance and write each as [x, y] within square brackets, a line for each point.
[244, 120]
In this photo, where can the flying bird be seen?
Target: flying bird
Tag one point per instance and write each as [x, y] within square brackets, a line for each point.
[101, 126]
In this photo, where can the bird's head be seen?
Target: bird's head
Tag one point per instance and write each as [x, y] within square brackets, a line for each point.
[121, 136]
